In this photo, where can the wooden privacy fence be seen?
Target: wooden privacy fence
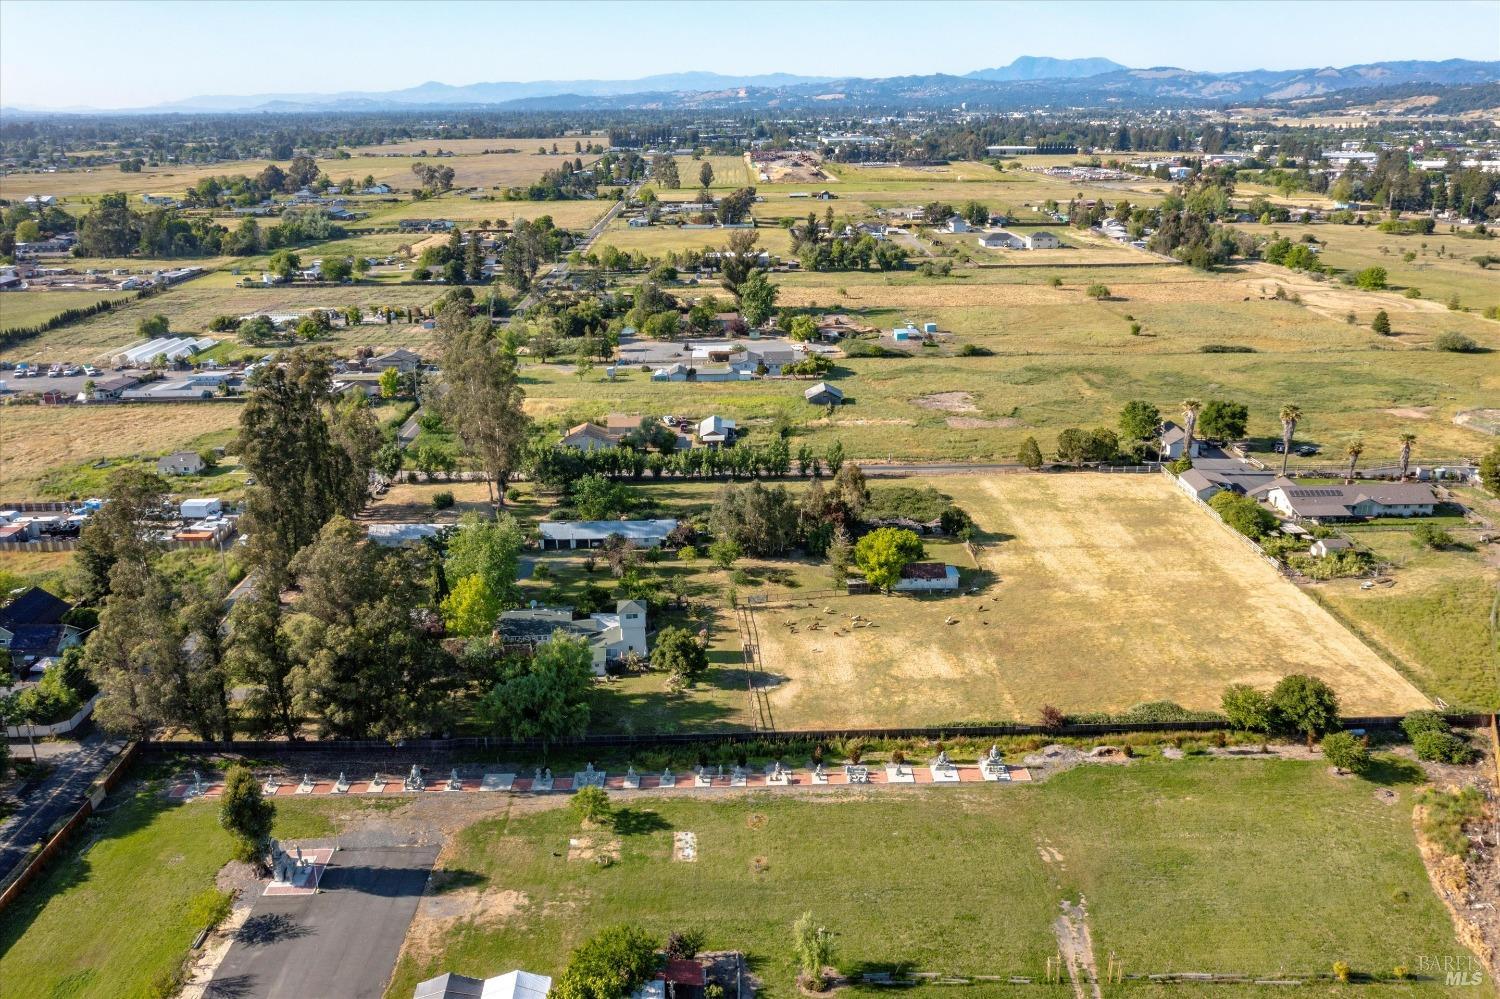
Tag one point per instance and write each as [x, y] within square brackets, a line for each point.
[28, 871]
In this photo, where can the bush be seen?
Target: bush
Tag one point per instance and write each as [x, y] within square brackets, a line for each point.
[1448, 812]
[591, 805]
[1455, 343]
[1431, 536]
[613, 963]
[442, 500]
[1346, 752]
[687, 553]
[1243, 514]
[1423, 721]
[974, 350]
[1224, 348]
[1443, 747]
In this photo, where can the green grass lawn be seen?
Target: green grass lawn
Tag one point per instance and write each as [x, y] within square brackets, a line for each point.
[112, 920]
[1200, 865]
[21, 309]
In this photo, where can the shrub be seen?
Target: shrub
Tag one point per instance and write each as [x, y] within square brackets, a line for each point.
[1454, 342]
[442, 500]
[1341, 970]
[1246, 708]
[1381, 323]
[591, 805]
[1431, 536]
[1346, 752]
[974, 350]
[1052, 718]
[1412, 293]
[1243, 514]
[1423, 721]
[813, 947]
[1097, 292]
[1447, 814]
[1442, 747]
[614, 962]
[687, 553]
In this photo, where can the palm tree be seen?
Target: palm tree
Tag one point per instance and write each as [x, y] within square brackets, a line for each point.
[1407, 440]
[1190, 408]
[1354, 450]
[1289, 416]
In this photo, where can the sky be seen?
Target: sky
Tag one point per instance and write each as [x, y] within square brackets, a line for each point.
[73, 53]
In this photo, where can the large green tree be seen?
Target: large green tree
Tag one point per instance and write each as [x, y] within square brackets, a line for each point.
[483, 401]
[1305, 704]
[246, 814]
[120, 530]
[884, 552]
[544, 696]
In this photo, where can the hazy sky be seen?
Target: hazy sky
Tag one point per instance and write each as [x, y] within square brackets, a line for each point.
[63, 53]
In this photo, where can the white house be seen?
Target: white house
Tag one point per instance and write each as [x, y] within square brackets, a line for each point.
[928, 577]
[376, 189]
[999, 239]
[1041, 240]
[958, 224]
[1174, 439]
[180, 463]
[591, 533]
[610, 635]
[1351, 502]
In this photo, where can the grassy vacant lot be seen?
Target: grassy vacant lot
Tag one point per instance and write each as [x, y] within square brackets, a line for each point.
[192, 306]
[477, 169]
[1098, 592]
[112, 920]
[20, 309]
[1355, 247]
[38, 440]
[1436, 620]
[969, 881]
[465, 209]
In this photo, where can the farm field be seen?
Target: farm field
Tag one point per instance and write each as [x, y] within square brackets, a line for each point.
[1098, 592]
[190, 307]
[36, 441]
[29, 308]
[1143, 844]
[658, 240]
[470, 170]
[466, 146]
[1353, 248]
[577, 215]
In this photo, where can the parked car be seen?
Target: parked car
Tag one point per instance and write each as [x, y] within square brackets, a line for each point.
[1278, 447]
[90, 370]
[54, 371]
[1307, 450]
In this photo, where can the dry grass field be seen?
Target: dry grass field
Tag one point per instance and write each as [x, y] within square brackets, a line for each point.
[1095, 593]
[37, 439]
[477, 169]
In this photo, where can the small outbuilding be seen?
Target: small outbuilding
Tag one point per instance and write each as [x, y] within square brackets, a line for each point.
[824, 394]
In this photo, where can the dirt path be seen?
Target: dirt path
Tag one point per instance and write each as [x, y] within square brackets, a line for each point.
[1077, 948]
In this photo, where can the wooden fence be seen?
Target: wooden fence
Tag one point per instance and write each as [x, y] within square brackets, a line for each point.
[28, 871]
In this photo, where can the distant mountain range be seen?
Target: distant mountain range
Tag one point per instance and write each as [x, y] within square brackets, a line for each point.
[1030, 81]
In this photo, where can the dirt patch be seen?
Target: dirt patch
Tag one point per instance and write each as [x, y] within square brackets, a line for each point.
[1076, 945]
[976, 423]
[1486, 421]
[1412, 412]
[1470, 901]
[685, 847]
[438, 913]
[592, 848]
[948, 402]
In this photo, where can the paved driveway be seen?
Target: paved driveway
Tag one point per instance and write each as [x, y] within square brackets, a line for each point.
[339, 944]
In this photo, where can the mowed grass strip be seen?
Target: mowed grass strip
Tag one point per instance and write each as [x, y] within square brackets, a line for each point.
[1290, 867]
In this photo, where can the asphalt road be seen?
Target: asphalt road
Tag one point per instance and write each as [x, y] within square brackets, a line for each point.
[57, 797]
[339, 944]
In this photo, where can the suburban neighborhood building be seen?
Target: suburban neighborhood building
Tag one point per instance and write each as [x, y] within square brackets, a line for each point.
[589, 437]
[716, 431]
[1174, 441]
[31, 626]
